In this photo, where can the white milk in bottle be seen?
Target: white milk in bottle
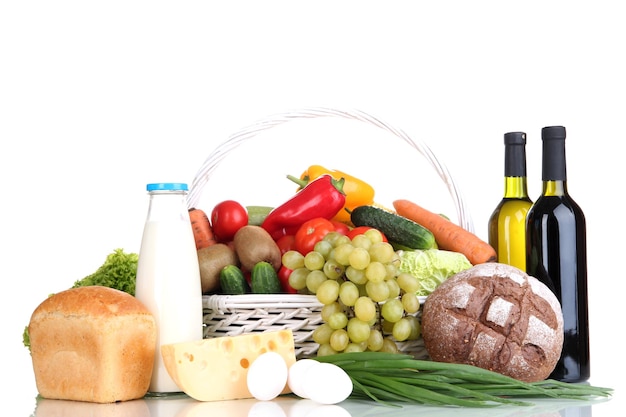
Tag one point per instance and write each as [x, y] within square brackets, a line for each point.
[168, 275]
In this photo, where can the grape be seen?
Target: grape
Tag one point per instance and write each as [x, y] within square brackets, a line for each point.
[333, 269]
[375, 341]
[293, 259]
[328, 292]
[410, 302]
[365, 309]
[361, 241]
[297, 278]
[333, 238]
[408, 282]
[323, 247]
[382, 252]
[325, 349]
[348, 293]
[357, 276]
[321, 334]
[354, 347]
[377, 291]
[342, 253]
[359, 258]
[389, 346]
[367, 303]
[314, 279]
[416, 327]
[394, 288]
[339, 340]
[374, 235]
[387, 326]
[401, 330]
[358, 330]
[376, 272]
[340, 240]
[314, 261]
[392, 271]
[329, 309]
[338, 320]
[392, 310]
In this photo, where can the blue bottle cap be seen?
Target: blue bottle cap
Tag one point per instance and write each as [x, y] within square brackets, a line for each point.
[167, 186]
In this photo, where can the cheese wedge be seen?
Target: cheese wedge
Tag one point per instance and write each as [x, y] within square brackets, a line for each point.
[216, 369]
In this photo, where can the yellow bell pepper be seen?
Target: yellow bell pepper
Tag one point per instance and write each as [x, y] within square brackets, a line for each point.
[357, 191]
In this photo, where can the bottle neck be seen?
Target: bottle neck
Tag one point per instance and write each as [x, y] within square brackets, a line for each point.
[554, 188]
[554, 169]
[515, 168]
[515, 160]
[515, 187]
[167, 205]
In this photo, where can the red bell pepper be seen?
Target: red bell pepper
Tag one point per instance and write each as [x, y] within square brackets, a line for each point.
[323, 197]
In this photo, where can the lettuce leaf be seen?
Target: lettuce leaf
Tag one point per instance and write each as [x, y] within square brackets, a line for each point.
[432, 266]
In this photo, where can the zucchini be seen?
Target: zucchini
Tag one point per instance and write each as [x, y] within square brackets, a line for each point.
[398, 229]
[264, 279]
[232, 281]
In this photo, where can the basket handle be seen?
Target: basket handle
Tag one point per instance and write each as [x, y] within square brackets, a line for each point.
[236, 139]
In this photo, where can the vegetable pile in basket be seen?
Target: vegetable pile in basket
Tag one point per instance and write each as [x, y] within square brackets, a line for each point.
[366, 264]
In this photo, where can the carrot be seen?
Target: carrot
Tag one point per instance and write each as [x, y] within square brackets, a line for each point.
[202, 231]
[449, 236]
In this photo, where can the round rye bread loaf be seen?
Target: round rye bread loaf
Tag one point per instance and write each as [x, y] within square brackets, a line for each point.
[496, 317]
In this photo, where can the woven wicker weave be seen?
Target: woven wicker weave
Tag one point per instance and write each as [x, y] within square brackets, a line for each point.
[231, 315]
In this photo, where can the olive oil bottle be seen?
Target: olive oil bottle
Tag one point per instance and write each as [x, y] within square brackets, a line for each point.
[507, 224]
[557, 255]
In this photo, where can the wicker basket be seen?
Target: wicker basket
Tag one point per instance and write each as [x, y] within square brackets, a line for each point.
[228, 315]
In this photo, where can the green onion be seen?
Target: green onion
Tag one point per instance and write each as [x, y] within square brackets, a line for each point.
[391, 377]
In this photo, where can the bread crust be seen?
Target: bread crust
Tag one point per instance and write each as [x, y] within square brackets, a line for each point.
[496, 317]
[94, 344]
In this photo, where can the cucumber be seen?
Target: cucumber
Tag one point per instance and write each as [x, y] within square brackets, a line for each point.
[232, 281]
[399, 230]
[256, 214]
[264, 279]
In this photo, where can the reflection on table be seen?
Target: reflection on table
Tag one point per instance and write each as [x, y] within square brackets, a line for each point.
[291, 406]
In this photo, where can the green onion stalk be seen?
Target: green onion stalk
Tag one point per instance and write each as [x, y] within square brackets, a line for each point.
[389, 378]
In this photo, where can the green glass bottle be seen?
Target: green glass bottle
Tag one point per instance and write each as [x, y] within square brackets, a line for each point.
[507, 224]
[557, 255]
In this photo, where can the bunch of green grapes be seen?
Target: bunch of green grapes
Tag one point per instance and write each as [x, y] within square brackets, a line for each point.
[368, 304]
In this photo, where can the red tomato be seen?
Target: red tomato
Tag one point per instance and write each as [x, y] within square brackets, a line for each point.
[360, 230]
[283, 277]
[286, 243]
[227, 218]
[311, 232]
[340, 227]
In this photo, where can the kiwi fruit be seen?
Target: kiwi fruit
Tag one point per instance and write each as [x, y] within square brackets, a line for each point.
[254, 244]
[212, 260]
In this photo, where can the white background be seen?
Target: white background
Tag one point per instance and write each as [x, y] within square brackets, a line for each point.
[99, 98]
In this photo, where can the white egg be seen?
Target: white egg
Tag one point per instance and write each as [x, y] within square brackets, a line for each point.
[327, 384]
[267, 376]
[297, 373]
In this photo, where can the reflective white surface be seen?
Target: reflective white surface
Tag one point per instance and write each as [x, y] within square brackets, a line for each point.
[289, 406]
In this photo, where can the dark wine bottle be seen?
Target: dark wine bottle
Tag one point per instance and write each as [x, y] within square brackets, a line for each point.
[556, 254]
[507, 224]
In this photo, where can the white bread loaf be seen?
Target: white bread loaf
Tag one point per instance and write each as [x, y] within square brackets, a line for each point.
[94, 344]
[496, 317]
